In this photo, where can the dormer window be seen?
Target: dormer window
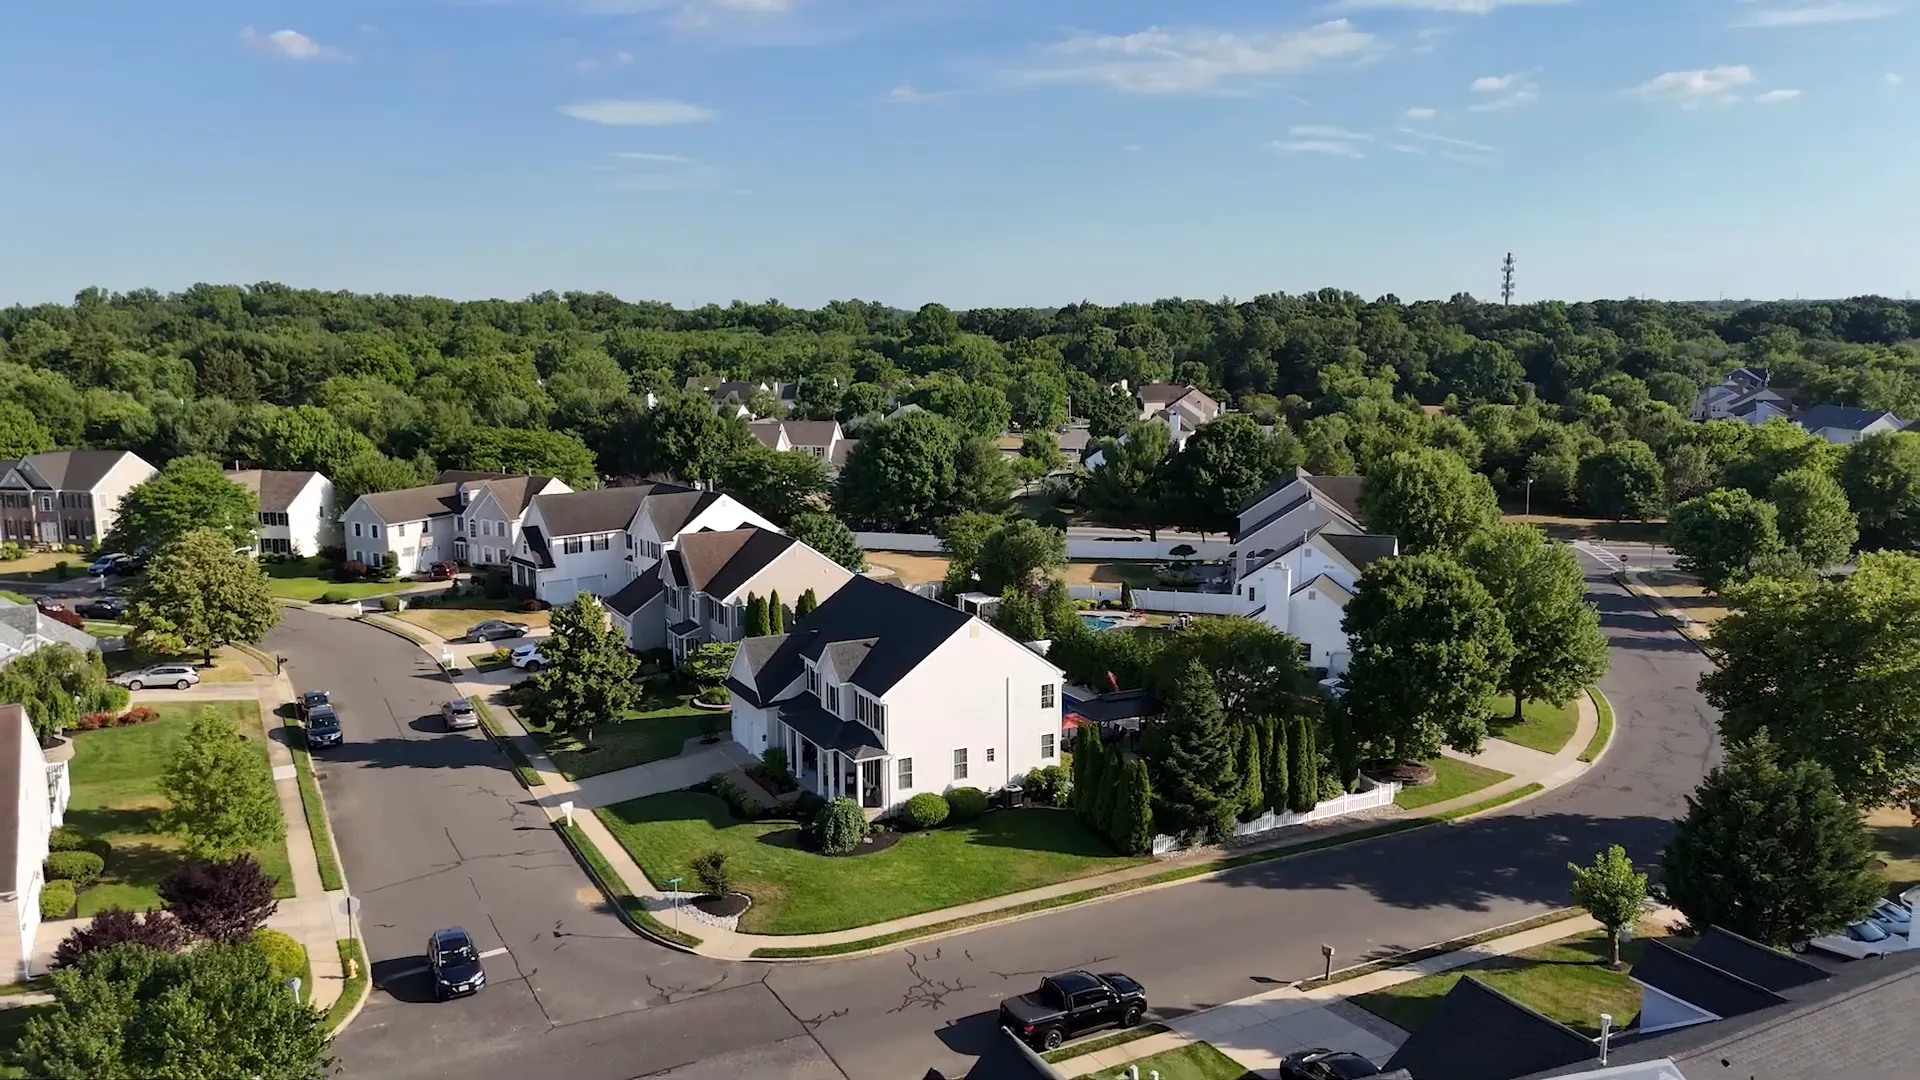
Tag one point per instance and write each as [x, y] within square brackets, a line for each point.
[813, 680]
[832, 701]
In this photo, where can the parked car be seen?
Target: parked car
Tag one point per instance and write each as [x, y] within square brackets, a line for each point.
[178, 676]
[454, 964]
[310, 701]
[128, 565]
[459, 715]
[1893, 918]
[528, 657]
[107, 608]
[1071, 1004]
[494, 629]
[1859, 941]
[323, 727]
[104, 565]
[1324, 1064]
[440, 571]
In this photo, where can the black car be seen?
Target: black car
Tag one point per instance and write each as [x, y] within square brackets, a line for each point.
[107, 608]
[454, 964]
[127, 565]
[1071, 1004]
[323, 727]
[1324, 1064]
[310, 701]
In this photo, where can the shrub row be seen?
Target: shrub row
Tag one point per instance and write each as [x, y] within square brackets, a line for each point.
[79, 867]
[139, 714]
[743, 805]
[68, 838]
[57, 899]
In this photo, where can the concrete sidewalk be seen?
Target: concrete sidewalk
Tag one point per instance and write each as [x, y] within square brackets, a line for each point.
[206, 691]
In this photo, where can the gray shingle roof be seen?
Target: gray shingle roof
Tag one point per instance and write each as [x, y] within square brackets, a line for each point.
[1361, 549]
[718, 563]
[75, 470]
[1699, 983]
[671, 511]
[513, 493]
[601, 510]
[275, 488]
[906, 629]
[1753, 961]
[21, 624]
[638, 593]
[1843, 417]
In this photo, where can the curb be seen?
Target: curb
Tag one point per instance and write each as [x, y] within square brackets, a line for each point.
[366, 992]
[620, 909]
[1653, 604]
[1599, 697]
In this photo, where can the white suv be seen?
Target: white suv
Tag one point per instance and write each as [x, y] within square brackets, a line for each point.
[528, 658]
[178, 676]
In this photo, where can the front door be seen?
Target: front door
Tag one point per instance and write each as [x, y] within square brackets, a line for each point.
[870, 784]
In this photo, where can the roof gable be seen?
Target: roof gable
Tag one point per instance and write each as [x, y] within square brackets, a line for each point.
[1844, 418]
[1478, 1033]
[906, 629]
[601, 510]
[1753, 961]
[76, 470]
[719, 563]
[277, 489]
[1699, 983]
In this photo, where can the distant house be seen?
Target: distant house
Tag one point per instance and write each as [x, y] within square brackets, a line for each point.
[821, 439]
[1844, 424]
[1744, 396]
[707, 577]
[732, 395]
[297, 515]
[469, 518]
[1184, 409]
[880, 694]
[66, 496]
[24, 628]
[33, 802]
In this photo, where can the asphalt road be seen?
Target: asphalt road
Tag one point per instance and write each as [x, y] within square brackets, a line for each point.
[434, 831]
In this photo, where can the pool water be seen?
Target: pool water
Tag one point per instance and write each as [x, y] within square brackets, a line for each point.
[1101, 622]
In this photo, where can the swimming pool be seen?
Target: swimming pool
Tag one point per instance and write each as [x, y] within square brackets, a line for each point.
[1101, 622]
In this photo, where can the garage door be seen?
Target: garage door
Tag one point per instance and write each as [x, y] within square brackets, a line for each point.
[597, 585]
[559, 591]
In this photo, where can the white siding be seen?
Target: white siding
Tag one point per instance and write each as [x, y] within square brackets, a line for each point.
[1314, 617]
[36, 814]
[126, 473]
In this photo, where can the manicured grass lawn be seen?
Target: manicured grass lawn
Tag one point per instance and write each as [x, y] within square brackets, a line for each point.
[1543, 726]
[229, 664]
[1087, 572]
[116, 777]
[305, 580]
[105, 629]
[18, 598]
[911, 568]
[797, 892]
[659, 731]
[1568, 527]
[1896, 840]
[1452, 778]
[1194, 1061]
[1603, 730]
[1567, 980]
[451, 622]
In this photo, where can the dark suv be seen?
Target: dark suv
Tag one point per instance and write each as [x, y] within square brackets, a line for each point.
[323, 727]
[454, 964]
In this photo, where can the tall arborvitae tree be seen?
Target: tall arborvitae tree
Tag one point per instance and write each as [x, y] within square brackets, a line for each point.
[754, 624]
[1134, 834]
[1106, 789]
[1275, 783]
[1303, 767]
[1093, 781]
[1196, 781]
[1253, 800]
[805, 605]
[776, 614]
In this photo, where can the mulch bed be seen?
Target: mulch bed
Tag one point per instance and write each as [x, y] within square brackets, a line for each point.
[724, 907]
[1404, 773]
[796, 840]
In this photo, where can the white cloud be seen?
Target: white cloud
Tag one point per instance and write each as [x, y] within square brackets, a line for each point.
[1162, 60]
[1327, 131]
[290, 44]
[1493, 84]
[1815, 15]
[637, 113]
[662, 159]
[1458, 7]
[1405, 149]
[1696, 86]
[1526, 95]
[1773, 97]
[1447, 140]
[1894, 78]
[907, 94]
[1421, 112]
[1335, 147]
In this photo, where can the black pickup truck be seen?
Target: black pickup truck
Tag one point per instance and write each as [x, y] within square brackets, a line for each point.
[1072, 1003]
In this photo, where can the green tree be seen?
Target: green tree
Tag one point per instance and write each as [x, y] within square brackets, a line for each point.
[1815, 521]
[1429, 648]
[21, 433]
[1129, 487]
[58, 684]
[1881, 475]
[983, 477]
[777, 483]
[134, 1013]
[1042, 448]
[829, 536]
[591, 677]
[709, 663]
[1020, 615]
[776, 614]
[1427, 498]
[1134, 832]
[1037, 397]
[963, 537]
[1190, 755]
[1773, 449]
[685, 438]
[901, 474]
[1303, 769]
[371, 473]
[804, 606]
[220, 795]
[538, 453]
[1274, 781]
[755, 623]
[1623, 480]
[198, 594]
[1828, 668]
[1720, 535]
[1020, 554]
[1541, 593]
[1253, 798]
[1770, 851]
[190, 493]
[1224, 464]
[1091, 786]
[1612, 891]
[1256, 669]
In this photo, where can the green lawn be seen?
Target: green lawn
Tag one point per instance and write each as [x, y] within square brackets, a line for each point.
[1603, 730]
[105, 629]
[797, 892]
[229, 664]
[1543, 726]
[116, 775]
[303, 579]
[1452, 778]
[659, 730]
[18, 598]
[1194, 1061]
[451, 622]
[1896, 841]
[1567, 980]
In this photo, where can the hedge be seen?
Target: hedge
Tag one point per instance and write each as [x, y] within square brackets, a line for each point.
[57, 899]
[285, 956]
[924, 811]
[79, 867]
[967, 804]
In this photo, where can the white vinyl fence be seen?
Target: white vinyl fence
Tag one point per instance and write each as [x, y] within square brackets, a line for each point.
[1077, 547]
[1192, 603]
[1371, 796]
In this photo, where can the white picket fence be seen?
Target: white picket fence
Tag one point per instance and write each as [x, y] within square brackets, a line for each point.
[1190, 603]
[1077, 547]
[1371, 796]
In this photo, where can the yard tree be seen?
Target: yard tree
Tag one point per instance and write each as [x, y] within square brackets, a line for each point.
[1020, 615]
[1829, 668]
[1224, 464]
[190, 493]
[1429, 648]
[220, 796]
[777, 483]
[1256, 669]
[58, 684]
[1037, 397]
[1719, 536]
[684, 437]
[1134, 831]
[197, 594]
[1770, 850]
[1020, 554]
[533, 452]
[983, 477]
[1623, 480]
[591, 676]
[1303, 770]
[1429, 499]
[1881, 475]
[1773, 449]
[1129, 488]
[1541, 593]
[1274, 781]
[901, 474]
[21, 433]
[132, 1013]
[776, 614]
[1612, 891]
[963, 537]
[709, 663]
[829, 536]
[1253, 799]
[755, 623]
[804, 606]
[373, 472]
[1815, 521]
[1043, 449]
[1092, 785]
[220, 901]
[1190, 757]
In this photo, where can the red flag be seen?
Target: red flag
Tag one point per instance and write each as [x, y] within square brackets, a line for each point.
[1113, 682]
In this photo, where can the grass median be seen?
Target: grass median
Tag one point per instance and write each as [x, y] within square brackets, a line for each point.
[1104, 1042]
[1603, 731]
[522, 768]
[353, 965]
[316, 811]
[615, 887]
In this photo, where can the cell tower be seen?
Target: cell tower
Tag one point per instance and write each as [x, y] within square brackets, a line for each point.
[1506, 279]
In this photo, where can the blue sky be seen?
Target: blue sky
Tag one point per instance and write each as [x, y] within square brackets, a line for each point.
[974, 152]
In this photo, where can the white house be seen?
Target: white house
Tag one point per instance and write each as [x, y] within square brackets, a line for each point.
[297, 515]
[730, 396]
[822, 439]
[470, 518]
[33, 802]
[24, 629]
[66, 496]
[1844, 424]
[1744, 396]
[881, 694]
[707, 577]
[1183, 409]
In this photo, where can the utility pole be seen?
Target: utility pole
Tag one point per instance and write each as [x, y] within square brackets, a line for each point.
[1506, 279]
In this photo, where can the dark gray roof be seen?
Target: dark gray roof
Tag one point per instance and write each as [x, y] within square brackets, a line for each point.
[275, 488]
[846, 657]
[1118, 705]
[541, 555]
[16, 733]
[637, 593]
[683, 628]
[1699, 983]
[1362, 549]
[513, 493]
[670, 511]
[1342, 491]
[1844, 417]
[1753, 961]
[906, 628]
[718, 563]
[827, 731]
[602, 510]
[1478, 1033]
[75, 470]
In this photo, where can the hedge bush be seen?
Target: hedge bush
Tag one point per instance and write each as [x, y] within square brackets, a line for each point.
[967, 804]
[285, 956]
[331, 596]
[79, 867]
[743, 805]
[839, 827]
[925, 810]
[66, 838]
[389, 603]
[57, 899]
[710, 869]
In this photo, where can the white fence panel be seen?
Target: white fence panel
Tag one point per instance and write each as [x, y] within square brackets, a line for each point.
[884, 541]
[1192, 603]
[1109, 548]
[1094, 592]
[1372, 795]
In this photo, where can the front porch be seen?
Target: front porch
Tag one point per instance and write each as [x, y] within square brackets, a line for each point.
[832, 757]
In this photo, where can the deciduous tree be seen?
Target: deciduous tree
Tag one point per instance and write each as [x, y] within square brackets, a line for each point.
[1427, 498]
[1881, 475]
[1020, 554]
[58, 684]
[1128, 488]
[777, 483]
[1623, 480]
[157, 930]
[829, 536]
[220, 796]
[591, 675]
[901, 474]
[1612, 891]
[1815, 521]
[1541, 593]
[191, 493]
[199, 593]
[1224, 464]
[220, 901]
[1720, 535]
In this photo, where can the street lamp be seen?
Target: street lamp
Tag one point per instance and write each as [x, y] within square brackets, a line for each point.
[1529, 496]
